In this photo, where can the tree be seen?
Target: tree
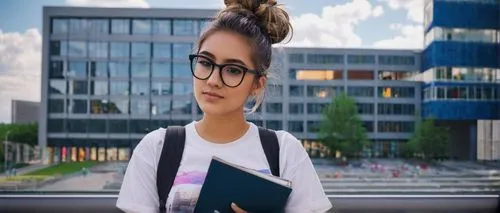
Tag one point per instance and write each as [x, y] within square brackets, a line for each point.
[20, 133]
[341, 128]
[431, 140]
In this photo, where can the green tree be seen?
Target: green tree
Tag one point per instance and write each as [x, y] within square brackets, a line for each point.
[430, 139]
[20, 133]
[341, 128]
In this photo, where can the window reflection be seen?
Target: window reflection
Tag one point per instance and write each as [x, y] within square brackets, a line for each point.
[140, 69]
[119, 88]
[295, 126]
[120, 26]
[181, 107]
[76, 106]
[182, 50]
[77, 87]
[118, 106]
[316, 108]
[119, 50]
[160, 69]
[59, 26]
[99, 106]
[56, 69]
[98, 49]
[160, 107]
[185, 27]
[182, 70]
[296, 91]
[99, 87]
[161, 27]
[296, 108]
[77, 69]
[161, 50]
[183, 89]
[140, 88]
[141, 50]
[141, 26]
[57, 87]
[78, 26]
[160, 88]
[98, 26]
[98, 69]
[139, 107]
[77, 49]
[56, 106]
[118, 69]
[274, 108]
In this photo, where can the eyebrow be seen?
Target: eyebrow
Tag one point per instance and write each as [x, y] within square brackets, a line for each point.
[229, 60]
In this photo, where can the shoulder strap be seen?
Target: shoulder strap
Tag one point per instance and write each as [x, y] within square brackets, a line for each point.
[170, 159]
[271, 147]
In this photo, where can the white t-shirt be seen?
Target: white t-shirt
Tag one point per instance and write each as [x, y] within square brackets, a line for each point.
[138, 192]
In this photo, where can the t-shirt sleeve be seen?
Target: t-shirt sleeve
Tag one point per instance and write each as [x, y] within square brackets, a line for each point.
[307, 192]
[138, 191]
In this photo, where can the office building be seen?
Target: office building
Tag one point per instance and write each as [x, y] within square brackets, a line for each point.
[23, 112]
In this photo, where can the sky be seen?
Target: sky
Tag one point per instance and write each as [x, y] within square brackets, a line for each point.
[395, 24]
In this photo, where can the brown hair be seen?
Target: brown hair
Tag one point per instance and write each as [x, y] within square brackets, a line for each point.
[262, 22]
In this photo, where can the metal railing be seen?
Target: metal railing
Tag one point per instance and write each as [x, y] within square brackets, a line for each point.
[77, 203]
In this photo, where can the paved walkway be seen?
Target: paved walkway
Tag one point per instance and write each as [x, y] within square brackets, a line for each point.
[27, 169]
[91, 182]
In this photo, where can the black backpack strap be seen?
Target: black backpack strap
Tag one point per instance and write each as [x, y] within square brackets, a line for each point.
[170, 159]
[271, 147]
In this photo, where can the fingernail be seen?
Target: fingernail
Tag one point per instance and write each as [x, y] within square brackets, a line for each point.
[233, 204]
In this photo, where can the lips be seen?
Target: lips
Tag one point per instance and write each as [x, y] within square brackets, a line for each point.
[212, 94]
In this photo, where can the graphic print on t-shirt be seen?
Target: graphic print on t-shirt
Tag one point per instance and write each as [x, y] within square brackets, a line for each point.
[186, 190]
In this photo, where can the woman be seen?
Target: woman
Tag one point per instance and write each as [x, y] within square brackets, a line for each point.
[230, 66]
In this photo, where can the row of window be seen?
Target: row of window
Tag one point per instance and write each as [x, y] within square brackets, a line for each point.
[325, 75]
[463, 74]
[472, 1]
[125, 88]
[123, 26]
[102, 49]
[135, 69]
[462, 35]
[462, 93]
[351, 59]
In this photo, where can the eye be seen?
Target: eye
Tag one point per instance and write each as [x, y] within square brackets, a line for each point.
[204, 62]
[234, 70]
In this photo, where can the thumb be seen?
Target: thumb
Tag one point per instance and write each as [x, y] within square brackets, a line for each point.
[237, 209]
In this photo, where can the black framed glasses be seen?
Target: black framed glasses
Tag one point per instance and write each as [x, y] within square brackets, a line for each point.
[231, 75]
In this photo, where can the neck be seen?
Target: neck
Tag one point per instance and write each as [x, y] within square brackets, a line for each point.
[222, 129]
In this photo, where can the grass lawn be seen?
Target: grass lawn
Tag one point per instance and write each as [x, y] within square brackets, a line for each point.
[64, 168]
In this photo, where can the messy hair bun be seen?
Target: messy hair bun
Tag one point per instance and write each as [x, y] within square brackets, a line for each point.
[272, 19]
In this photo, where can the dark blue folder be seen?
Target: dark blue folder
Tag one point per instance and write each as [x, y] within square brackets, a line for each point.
[249, 189]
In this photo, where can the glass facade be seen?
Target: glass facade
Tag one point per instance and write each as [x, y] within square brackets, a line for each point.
[462, 35]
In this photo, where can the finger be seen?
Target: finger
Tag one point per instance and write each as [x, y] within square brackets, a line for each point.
[237, 209]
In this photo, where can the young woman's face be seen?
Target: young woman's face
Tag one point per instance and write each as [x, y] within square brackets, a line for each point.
[222, 96]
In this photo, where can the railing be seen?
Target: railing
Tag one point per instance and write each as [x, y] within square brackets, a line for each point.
[342, 203]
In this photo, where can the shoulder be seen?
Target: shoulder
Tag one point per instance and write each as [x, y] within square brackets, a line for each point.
[291, 148]
[149, 147]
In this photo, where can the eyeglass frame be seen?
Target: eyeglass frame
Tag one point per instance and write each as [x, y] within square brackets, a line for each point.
[220, 66]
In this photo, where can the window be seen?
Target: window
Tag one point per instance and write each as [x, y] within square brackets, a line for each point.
[395, 75]
[204, 25]
[97, 126]
[316, 108]
[119, 88]
[140, 88]
[56, 69]
[296, 58]
[313, 126]
[323, 91]
[296, 108]
[140, 69]
[361, 59]
[139, 126]
[162, 50]
[274, 108]
[98, 26]
[99, 69]
[364, 108]
[360, 75]
[78, 26]
[59, 26]
[98, 49]
[56, 106]
[396, 60]
[161, 27]
[57, 87]
[77, 69]
[182, 50]
[183, 89]
[182, 70]
[120, 26]
[119, 50]
[139, 107]
[161, 69]
[396, 109]
[296, 126]
[296, 91]
[274, 125]
[275, 90]
[99, 106]
[325, 59]
[141, 50]
[76, 125]
[77, 49]
[56, 126]
[360, 91]
[257, 122]
[118, 126]
[185, 28]
[315, 75]
[99, 87]
[141, 26]
[396, 126]
[160, 88]
[396, 92]
[441, 91]
[55, 48]
[368, 125]
[119, 69]
[118, 106]
[78, 87]
[181, 107]
[77, 106]
[160, 107]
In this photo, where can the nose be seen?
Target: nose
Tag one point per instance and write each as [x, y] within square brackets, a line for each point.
[214, 80]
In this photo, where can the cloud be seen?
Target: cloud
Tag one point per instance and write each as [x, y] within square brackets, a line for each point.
[378, 11]
[415, 8]
[411, 37]
[335, 26]
[108, 3]
[20, 65]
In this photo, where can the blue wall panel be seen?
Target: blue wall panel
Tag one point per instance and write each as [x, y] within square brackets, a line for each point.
[465, 15]
[452, 53]
[461, 110]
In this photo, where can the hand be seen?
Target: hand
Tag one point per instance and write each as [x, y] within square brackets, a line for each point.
[237, 209]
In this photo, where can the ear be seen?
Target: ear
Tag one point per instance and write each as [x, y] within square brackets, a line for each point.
[258, 86]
